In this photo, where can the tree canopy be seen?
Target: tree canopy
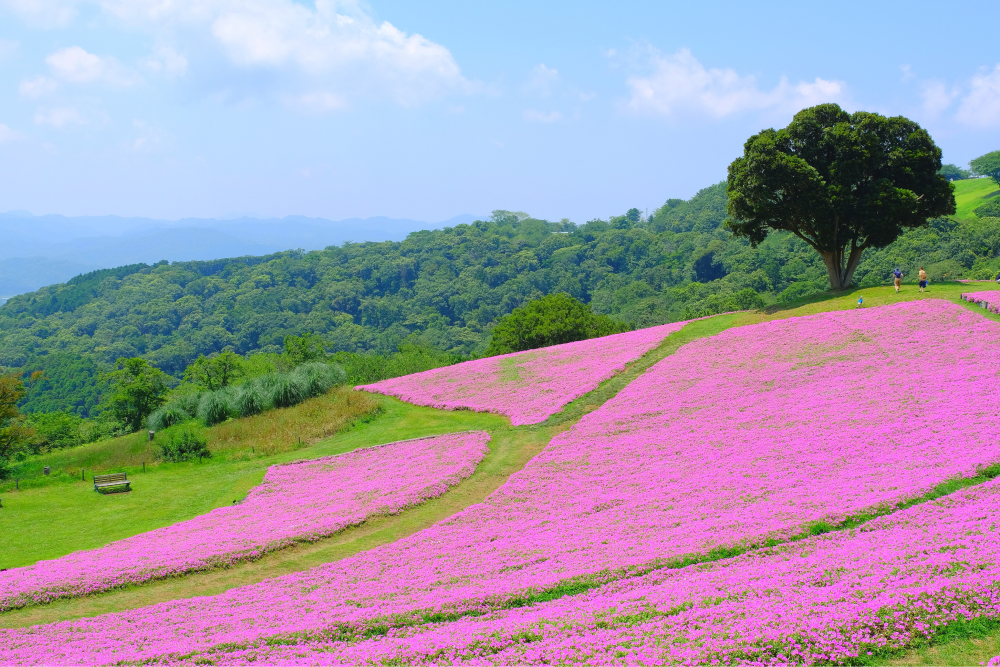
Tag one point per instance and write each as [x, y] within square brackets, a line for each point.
[954, 172]
[137, 388]
[840, 182]
[436, 295]
[307, 347]
[988, 165]
[551, 320]
[217, 371]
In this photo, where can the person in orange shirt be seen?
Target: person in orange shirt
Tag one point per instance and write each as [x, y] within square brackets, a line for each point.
[922, 277]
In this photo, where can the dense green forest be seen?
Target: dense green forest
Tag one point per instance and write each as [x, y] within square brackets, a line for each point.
[441, 290]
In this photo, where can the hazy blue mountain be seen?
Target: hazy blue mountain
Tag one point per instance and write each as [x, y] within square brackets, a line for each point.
[48, 249]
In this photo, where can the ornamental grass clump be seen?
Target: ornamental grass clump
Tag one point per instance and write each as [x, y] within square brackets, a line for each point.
[167, 416]
[297, 502]
[215, 406]
[256, 395]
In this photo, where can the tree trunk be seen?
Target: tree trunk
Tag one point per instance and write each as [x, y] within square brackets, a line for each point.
[840, 273]
[831, 259]
[852, 265]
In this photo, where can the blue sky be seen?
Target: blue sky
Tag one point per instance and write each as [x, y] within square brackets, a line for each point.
[426, 110]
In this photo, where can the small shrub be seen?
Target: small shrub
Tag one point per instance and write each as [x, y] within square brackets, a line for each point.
[184, 446]
[991, 209]
[748, 299]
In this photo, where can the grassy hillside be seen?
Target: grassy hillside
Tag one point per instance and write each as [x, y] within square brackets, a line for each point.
[972, 192]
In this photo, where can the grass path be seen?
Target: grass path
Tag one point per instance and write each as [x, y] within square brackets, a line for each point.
[511, 449]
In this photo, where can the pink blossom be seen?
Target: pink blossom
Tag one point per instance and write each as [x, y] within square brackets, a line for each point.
[526, 386]
[990, 300]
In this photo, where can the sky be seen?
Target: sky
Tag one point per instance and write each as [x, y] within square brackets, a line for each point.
[430, 109]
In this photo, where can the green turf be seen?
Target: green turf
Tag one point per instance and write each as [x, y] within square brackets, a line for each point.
[959, 644]
[54, 520]
[970, 193]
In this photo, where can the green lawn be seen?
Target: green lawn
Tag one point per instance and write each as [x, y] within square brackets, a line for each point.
[958, 651]
[970, 193]
[54, 520]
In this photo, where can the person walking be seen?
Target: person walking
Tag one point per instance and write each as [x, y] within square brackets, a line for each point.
[922, 278]
[897, 279]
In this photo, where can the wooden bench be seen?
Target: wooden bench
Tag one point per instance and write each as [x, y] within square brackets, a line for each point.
[114, 479]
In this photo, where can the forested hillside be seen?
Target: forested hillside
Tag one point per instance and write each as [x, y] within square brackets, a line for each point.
[444, 289]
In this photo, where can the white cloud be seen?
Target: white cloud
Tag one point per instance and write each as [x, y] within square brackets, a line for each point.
[937, 97]
[337, 44]
[7, 134]
[165, 60]
[336, 41]
[541, 116]
[541, 80]
[37, 87]
[679, 83]
[59, 117]
[981, 106]
[76, 65]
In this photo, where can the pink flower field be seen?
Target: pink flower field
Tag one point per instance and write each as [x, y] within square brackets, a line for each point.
[528, 387]
[990, 300]
[826, 599]
[297, 502]
[754, 434]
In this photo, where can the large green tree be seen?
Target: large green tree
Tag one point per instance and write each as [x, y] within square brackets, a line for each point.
[307, 347]
[841, 182]
[553, 319]
[14, 432]
[215, 372]
[988, 165]
[953, 172]
[137, 388]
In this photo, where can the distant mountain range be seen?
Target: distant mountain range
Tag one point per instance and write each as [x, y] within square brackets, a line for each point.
[48, 249]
